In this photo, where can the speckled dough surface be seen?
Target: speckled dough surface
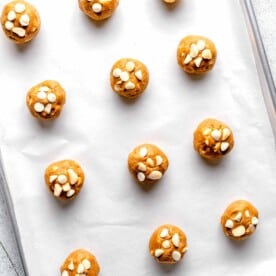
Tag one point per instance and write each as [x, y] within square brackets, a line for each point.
[46, 99]
[80, 263]
[213, 139]
[239, 220]
[168, 244]
[64, 179]
[147, 163]
[196, 54]
[129, 77]
[20, 21]
[98, 9]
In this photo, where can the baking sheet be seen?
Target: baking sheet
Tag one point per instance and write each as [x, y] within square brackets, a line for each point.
[112, 216]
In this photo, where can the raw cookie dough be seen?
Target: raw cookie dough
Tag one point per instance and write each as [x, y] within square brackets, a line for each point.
[20, 21]
[196, 54]
[239, 220]
[98, 9]
[168, 244]
[129, 77]
[80, 263]
[46, 99]
[64, 179]
[213, 139]
[147, 163]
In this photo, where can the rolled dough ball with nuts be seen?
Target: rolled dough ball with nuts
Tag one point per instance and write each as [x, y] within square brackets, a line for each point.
[239, 220]
[168, 244]
[147, 163]
[64, 179]
[20, 21]
[80, 262]
[213, 139]
[196, 54]
[46, 99]
[129, 78]
[98, 9]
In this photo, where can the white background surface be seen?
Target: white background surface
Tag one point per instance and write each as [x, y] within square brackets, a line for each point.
[113, 217]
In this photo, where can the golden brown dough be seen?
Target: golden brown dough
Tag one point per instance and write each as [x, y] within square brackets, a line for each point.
[98, 9]
[239, 220]
[213, 139]
[168, 244]
[80, 263]
[20, 21]
[64, 179]
[196, 54]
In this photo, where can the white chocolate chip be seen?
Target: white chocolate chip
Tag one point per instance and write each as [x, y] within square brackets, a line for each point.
[207, 54]
[142, 167]
[206, 131]
[52, 178]
[97, 8]
[141, 176]
[38, 107]
[176, 255]
[48, 108]
[9, 25]
[24, 20]
[57, 190]
[238, 217]
[150, 162]
[164, 233]
[130, 85]
[229, 224]
[143, 152]
[201, 45]
[158, 253]
[166, 244]
[225, 133]
[193, 50]
[19, 7]
[176, 240]
[51, 97]
[81, 268]
[19, 31]
[188, 59]
[198, 61]
[155, 175]
[130, 66]
[116, 72]
[71, 266]
[41, 95]
[44, 89]
[216, 134]
[185, 249]
[86, 263]
[206, 142]
[159, 160]
[224, 146]
[70, 193]
[62, 179]
[247, 213]
[65, 273]
[238, 231]
[66, 187]
[73, 177]
[255, 221]
[139, 75]
[117, 87]
[124, 76]
[11, 16]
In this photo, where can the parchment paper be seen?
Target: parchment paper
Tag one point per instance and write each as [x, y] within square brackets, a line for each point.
[113, 217]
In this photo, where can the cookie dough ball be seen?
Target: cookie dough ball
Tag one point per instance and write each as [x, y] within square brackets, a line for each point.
[129, 78]
[81, 263]
[213, 139]
[196, 54]
[20, 21]
[98, 9]
[147, 163]
[64, 179]
[239, 220]
[46, 99]
[168, 244]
